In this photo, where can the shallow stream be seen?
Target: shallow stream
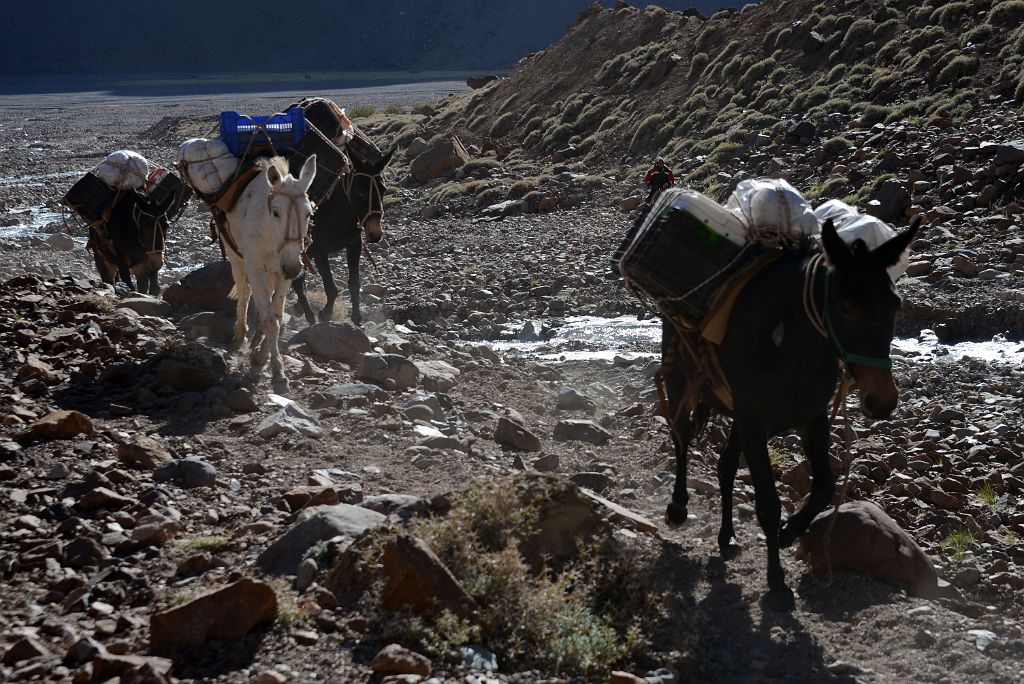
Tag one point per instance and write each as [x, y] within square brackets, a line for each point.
[589, 338]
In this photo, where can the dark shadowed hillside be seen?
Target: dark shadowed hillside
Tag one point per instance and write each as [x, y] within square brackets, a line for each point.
[320, 35]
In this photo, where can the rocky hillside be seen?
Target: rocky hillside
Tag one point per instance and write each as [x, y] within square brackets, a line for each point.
[897, 108]
[646, 81]
[319, 36]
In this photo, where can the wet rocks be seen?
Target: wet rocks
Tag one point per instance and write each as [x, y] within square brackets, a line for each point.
[224, 614]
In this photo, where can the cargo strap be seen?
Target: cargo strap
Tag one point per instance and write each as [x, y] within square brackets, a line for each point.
[375, 193]
[221, 233]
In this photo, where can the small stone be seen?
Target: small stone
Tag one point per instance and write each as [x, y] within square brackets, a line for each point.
[581, 431]
[306, 574]
[27, 648]
[102, 498]
[478, 658]
[397, 659]
[58, 471]
[516, 436]
[305, 637]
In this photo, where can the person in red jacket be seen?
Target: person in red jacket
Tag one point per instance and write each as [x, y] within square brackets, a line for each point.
[658, 178]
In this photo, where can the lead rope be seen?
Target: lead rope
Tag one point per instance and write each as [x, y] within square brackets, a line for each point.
[838, 403]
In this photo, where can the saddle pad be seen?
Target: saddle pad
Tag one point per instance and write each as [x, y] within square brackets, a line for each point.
[716, 324]
[227, 200]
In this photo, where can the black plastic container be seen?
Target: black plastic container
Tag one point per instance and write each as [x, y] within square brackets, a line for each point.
[680, 262]
[331, 163]
[89, 198]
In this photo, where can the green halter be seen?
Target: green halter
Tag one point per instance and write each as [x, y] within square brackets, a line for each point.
[846, 356]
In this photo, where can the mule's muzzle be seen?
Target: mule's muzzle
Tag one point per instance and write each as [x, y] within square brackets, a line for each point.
[291, 270]
[878, 392]
[371, 226]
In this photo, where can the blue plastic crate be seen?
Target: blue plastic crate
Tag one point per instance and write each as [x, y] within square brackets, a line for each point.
[249, 135]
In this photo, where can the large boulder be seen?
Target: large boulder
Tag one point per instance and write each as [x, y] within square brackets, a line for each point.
[476, 82]
[442, 155]
[224, 614]
[337, 341]
[866, 540]
[205, 289]
[344, 520]
[418, 580]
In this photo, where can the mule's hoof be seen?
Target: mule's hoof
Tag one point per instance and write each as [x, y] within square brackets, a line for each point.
[676, 514]
[780, 600]
[787, 534]
[280, 384]
[728, 547]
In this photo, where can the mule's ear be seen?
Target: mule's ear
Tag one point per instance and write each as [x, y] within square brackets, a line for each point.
[274, 175]
[308, 173]
[890, 252]
[378, 167]
[837, 251]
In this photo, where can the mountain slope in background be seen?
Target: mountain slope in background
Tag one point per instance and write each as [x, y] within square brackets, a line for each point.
[121, 37]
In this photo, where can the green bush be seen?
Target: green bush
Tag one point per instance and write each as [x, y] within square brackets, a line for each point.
[833, 147]
[503, 125]
[755, 72]
[873, 114]
[960, 66]
[362, 111]
[950, 14]
[697, 65]
[1007, 14]
[859, 33]
[394, 109]
[784, 41]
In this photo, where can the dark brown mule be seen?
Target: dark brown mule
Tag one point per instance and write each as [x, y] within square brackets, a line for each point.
[781, 358]
[131, 242]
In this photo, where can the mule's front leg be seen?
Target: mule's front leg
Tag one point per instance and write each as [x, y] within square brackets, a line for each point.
[299, 287]
[261, 341]
[728, 463]
[816, 439]
[242, 293]
[353, 252]
[272, 330]
[322, 262]
[680, 430]
[754, 442]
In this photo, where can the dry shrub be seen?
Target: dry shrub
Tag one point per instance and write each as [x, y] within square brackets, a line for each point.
[580, 619]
